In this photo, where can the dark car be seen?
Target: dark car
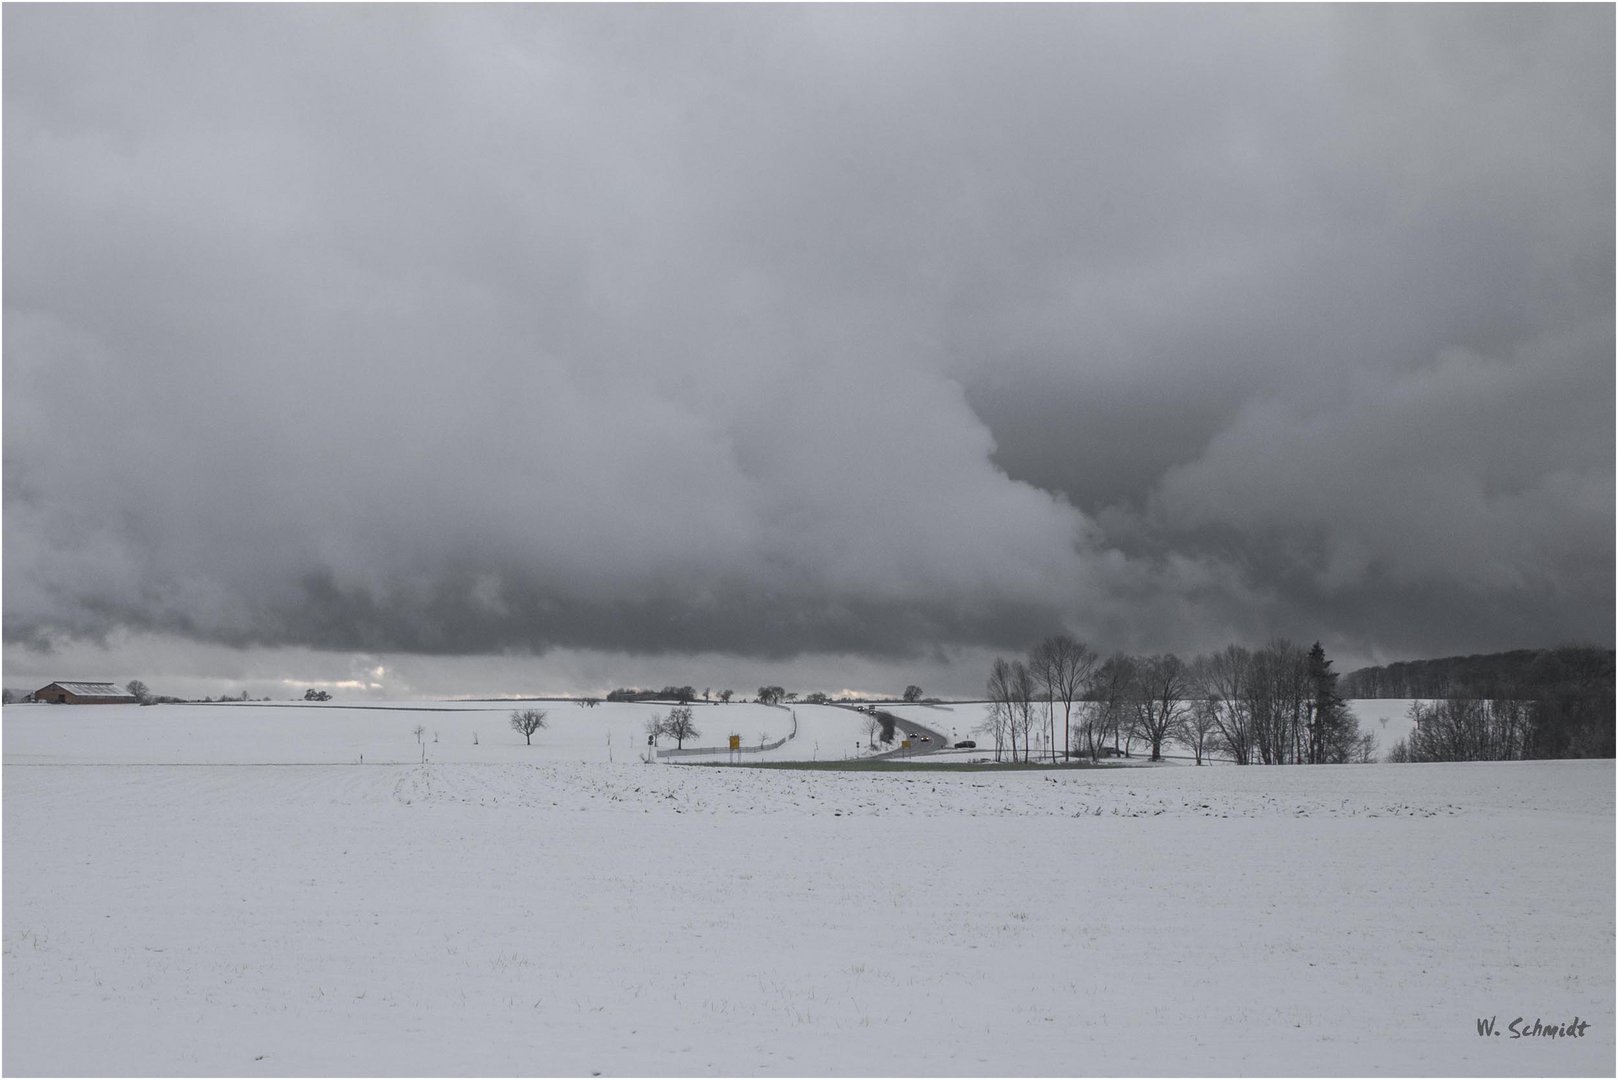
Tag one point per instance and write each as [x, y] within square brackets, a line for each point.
[966, 744]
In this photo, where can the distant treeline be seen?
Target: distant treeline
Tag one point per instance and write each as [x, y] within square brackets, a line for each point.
[1491, 675]
[682, 694]
[1529, 703]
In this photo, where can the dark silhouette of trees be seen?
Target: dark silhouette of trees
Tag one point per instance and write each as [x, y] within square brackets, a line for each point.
[1222, 678]
[1011, 698]
[1022, 689]
[1487, 675]
[1278, 693]
[1063, 667]
[1000, 723]
[1109, 691]
[1162, 685]
[1465, 729]
[1571, 706]
[1331, 729]
[681, 694]
[1529, 703]
[1199, 727]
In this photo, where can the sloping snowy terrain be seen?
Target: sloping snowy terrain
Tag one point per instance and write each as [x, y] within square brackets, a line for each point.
[176, 904]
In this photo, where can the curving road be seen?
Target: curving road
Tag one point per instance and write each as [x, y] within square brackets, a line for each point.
[905, 728]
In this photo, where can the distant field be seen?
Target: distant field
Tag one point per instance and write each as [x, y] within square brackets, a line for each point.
[182, 898]
[384, 732]
[468, 731]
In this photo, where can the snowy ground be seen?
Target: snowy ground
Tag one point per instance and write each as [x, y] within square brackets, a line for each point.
[453, 731]
[173, 906]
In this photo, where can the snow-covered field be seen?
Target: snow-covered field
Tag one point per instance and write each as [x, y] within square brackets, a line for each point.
[226, 890]
[453, 731]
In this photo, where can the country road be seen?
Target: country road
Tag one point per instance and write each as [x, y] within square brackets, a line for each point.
[904, 729]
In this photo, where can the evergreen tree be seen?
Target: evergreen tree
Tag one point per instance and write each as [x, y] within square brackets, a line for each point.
[1333, 729]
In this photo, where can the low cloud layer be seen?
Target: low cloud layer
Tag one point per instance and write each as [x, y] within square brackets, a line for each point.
[807, 331]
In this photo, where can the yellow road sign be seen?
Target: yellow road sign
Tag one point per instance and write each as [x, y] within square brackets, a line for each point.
[735, 742]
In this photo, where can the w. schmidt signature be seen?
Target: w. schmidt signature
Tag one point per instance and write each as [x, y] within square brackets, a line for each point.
[1520, 1028]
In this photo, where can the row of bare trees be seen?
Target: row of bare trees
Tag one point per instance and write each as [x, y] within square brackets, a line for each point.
[1274, 705]
[680, 724]
[1279, 705]
[1467, 729]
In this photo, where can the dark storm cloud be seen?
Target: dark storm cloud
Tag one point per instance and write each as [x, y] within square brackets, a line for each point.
[681, 329]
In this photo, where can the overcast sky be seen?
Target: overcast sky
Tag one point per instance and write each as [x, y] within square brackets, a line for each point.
[481, 349]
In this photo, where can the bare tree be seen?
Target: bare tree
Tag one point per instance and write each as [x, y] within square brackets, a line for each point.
[1223, 679]
[138, 691]
[1110, 688]
[1278, 695]
[1002, 711]
[912, 693]
[1200, 725]
[680, 726]
[1161, 685]
[1041, 671]
[1022, 690]
[724, 696]
[1064, 667]
[527, 722]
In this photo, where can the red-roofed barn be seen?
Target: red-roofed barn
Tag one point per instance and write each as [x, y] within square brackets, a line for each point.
[84, 693]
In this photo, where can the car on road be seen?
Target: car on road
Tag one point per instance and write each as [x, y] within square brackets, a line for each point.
[966, 744]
